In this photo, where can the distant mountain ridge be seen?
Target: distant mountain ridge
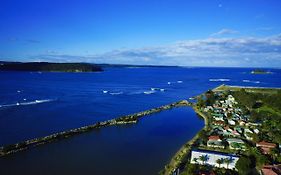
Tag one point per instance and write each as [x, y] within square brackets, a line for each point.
[49, 67]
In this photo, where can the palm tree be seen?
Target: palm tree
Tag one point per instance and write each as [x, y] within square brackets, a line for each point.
[203, 158]
[195, 160]
[228, 161]
[220, 161]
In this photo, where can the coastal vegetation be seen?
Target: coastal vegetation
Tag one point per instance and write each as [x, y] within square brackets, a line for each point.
[263, 107]
[239, 121]
[244, 165]
[49, 67]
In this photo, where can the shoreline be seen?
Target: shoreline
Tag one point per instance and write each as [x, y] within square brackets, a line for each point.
[185, 149]
[179, 157]
[219, 88]
[127, 119]
[176, 162]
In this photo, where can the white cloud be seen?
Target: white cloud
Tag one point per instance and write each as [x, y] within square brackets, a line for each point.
[224, 32]
[245, 52]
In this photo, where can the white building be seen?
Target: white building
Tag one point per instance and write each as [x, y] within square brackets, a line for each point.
[212, 157]
[231, 122]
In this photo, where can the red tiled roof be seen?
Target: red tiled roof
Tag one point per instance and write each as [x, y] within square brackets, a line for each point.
[266, 144]
[218, 122]
[214, 138]
[266, 171]
[271, 169]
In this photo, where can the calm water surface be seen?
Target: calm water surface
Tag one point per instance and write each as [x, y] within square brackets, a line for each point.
[37, 104]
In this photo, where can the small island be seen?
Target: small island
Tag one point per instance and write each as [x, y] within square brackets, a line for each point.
[260, 71]
[49, 67]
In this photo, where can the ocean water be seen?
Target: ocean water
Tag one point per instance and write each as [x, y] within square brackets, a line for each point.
[36, 104]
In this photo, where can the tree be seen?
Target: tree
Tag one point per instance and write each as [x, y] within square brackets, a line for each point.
[244, 165]
[220, 161]
[257, 156]
[210, 95]
[195, 160]
[228, 161]
[190, 169]
[275, 153]
[203, 136]
[200, 101]
[203, 158]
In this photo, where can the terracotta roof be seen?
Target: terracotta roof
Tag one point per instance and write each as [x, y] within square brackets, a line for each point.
[226, 127]
[219, 122]
[214, 138]
[266, 144]
[266, 171]
[271, 169]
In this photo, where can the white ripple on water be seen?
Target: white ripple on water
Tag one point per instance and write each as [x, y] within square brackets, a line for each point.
[158, 89]
[111, 93]
[219, 79]
[116, 93]
[172, 82]
[250, 81]
[149, 92]
[27, 103]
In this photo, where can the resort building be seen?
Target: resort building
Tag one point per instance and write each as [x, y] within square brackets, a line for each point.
[215, 142]
[218, 123]
[218, 117]
[231, 122]
[248, 134]
[266, 146]
[211, 158]
[271, 170]
[236, 144]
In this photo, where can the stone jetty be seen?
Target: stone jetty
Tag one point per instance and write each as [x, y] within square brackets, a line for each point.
[128, 119]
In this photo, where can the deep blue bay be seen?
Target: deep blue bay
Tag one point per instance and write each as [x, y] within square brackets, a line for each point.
[34, 104]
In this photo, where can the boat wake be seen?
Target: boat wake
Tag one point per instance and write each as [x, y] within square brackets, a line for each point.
[149, 92]
[154, 90]
[116, 93]
[219, 79]
[249, 81]
[27, 103]
[158, 89]
[112, 93]
[170, 82]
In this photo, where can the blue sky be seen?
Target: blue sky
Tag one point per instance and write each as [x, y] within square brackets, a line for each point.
[237, 33]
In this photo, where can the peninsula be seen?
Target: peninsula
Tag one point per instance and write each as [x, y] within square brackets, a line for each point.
[241, 134]
[49, 67]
